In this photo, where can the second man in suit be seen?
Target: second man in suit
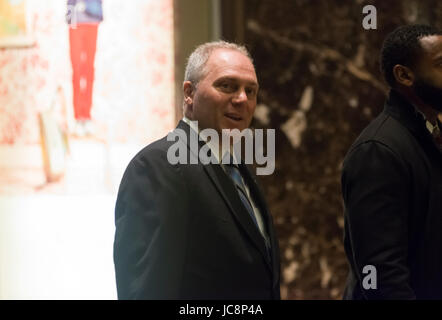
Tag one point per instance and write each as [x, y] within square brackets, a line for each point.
[392, 178]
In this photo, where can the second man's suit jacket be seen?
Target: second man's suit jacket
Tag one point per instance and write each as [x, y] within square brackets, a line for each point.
[182, 232]
[392, 189]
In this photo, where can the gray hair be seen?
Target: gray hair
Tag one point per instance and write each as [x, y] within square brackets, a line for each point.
[198, 59]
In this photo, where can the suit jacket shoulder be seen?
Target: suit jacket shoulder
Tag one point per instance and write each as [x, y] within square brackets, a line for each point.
[182, 232]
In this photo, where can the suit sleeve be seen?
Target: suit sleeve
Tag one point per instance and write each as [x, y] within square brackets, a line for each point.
[376, 190]
[151, 223]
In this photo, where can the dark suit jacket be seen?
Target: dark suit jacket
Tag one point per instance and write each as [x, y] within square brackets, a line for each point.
[182, 232]
[392, 189]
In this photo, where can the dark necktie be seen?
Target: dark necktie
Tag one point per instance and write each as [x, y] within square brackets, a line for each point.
[235, 174]
[233, 171]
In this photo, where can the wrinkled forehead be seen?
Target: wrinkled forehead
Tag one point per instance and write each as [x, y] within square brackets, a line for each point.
[431, 46]
[228, 62]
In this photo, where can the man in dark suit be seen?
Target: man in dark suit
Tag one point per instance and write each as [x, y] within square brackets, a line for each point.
[192, 231]
[392, 178]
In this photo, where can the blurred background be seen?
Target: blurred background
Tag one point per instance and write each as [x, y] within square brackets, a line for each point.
[320, 86]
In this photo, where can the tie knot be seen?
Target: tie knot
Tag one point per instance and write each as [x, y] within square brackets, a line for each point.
[233, 171]
[229, 159]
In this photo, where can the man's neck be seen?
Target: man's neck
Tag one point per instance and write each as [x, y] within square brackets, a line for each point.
[222, 154]
[429, 113]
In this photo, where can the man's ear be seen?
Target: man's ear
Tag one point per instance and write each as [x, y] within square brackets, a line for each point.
[403, 75]
[188, 91]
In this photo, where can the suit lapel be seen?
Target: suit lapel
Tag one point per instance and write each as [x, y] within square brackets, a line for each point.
[404, 112]
[230, 195]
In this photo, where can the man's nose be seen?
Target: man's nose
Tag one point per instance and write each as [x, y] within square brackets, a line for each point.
[240, 96]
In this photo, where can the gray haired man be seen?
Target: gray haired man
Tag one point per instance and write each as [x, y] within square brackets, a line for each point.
[198, 231]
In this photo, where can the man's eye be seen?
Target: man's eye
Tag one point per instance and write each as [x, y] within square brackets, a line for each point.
[250, 91]
[225, 86]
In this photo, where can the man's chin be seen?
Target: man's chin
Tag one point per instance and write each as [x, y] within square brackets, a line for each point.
[429, 95]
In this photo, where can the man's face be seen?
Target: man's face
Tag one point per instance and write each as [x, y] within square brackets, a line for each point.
[428, 74]
[225, 97]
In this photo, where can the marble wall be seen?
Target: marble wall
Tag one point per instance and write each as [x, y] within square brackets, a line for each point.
[320, 86]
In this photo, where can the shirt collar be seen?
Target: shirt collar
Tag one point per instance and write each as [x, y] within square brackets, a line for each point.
[212, 146]
[434, 129]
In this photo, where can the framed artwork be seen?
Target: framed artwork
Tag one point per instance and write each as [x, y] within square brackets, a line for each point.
[15, 24]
